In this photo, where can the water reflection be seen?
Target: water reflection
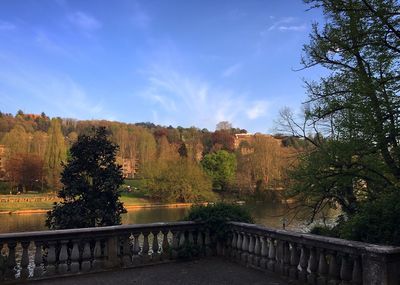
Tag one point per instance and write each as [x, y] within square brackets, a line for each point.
[270, 214]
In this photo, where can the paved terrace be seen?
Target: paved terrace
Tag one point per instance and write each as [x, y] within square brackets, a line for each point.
[155, 253]
[213, 271]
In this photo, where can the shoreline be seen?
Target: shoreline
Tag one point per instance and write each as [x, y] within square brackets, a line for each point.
[127, 207]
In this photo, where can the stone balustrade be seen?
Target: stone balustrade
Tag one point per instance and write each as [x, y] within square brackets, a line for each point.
[45, 254]
[303, 258]
[312, 259]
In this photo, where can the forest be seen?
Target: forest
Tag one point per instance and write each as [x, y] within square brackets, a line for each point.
[170, 163]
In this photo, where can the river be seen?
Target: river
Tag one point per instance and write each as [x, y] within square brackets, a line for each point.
[270, 214]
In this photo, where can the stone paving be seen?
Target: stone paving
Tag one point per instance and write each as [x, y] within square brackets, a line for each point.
[211, 271]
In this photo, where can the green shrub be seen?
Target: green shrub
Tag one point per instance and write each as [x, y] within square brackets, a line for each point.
[216, 216]
[376, 222]
[323, 230]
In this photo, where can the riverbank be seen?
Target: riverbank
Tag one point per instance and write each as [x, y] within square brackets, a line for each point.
[128, 208]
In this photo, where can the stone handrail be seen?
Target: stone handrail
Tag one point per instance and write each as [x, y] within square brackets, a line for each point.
[44, 254]
[310, 258]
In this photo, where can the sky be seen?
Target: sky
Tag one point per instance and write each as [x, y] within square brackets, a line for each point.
[170, 62]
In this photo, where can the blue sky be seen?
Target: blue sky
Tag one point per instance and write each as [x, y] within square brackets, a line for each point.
[171, 62]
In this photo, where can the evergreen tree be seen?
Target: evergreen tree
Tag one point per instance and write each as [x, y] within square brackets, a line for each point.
[91, 179]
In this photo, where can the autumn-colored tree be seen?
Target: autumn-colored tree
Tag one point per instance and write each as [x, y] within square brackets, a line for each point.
[224, 140]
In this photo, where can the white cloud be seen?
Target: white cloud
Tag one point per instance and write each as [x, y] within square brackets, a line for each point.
[44, 41]
[84, 21]
[286, 24]
[258, 109]
[7, 26]
[188, 99]
[228, 72]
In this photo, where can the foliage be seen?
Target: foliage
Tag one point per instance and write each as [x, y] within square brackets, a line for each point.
[376, 222]
[216, 216]
[187, 251]
[56, 153]
[91, 180]
[353, 156]
[221, 167]
[181, 181]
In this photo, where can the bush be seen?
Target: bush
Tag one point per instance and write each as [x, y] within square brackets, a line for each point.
[325, 231]
[216, 216]
[376, 222]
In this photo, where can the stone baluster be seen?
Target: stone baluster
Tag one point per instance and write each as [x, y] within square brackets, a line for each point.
[200, 243]
[279, 257]
[136, 248]
[245, 248]
[264, 253]
[75, 256]
[304, 256]
[294, 261]
[233, 244]
[182, 238]
[24, 260]
[155, 247]
[271, 254]
[126, 251]
[165, 245]
[322, 267]
[346, 270]
[175, 243]
[334, 270]
[313, 266]
[250, 250]
[63, 257]
[86, 256]
[98, 256]
[357, 271]
[257, 251]
[11, 262]
[239, 245]
[144, 254]
[51, 258]
[286, 258]
[38, 270]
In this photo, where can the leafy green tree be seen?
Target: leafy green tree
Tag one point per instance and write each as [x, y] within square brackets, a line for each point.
[221, 167]
[353, 111]
[91, 180]
[181, 181]
[56, 153]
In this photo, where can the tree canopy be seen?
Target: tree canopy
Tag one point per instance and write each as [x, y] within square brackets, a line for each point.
[353, 112]
[90, 179]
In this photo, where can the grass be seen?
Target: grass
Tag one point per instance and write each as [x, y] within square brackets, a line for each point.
[137, 196]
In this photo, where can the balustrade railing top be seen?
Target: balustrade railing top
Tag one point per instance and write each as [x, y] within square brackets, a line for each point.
[307, 258]
[313, 259]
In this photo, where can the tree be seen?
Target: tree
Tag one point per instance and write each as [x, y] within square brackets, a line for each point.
[224, 125]
[354, 154]
[181, 181]
[56, 153]
[221, 167]
[90, 181]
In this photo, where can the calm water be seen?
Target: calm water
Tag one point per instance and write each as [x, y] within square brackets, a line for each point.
[270, 214]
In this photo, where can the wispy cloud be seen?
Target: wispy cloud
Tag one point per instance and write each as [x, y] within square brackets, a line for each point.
[231, 70]
[7, 26]
[196, 101]
[258, 109]
[84, 21]
[140, 17]
[285, 24]
[46, 42]
[49, 90]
